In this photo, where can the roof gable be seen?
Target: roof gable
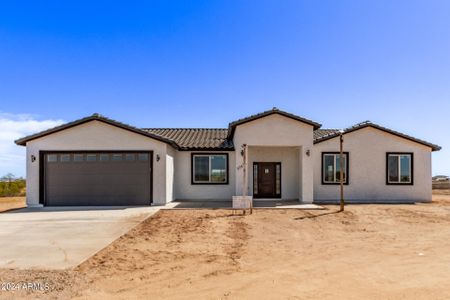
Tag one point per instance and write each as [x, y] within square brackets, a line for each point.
[232, 126]
[94, 117]
[332, 133]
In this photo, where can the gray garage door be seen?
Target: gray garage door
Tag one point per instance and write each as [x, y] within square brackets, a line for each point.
[97, 178]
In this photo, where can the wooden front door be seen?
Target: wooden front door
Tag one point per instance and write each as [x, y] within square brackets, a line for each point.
[267, 180]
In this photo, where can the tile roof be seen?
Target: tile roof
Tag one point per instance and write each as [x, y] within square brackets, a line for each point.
[214, 138]
[195, 138]
[321, 133]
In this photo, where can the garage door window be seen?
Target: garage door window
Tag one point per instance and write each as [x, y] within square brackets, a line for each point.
[52, 158]
[65, 158]
[129, 157]
[143, 156]
[117, 157]
[104, 157]
[78, 157]
[91, 157]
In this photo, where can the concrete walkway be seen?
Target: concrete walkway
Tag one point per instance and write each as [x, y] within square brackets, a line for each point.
[60, 238]
[281, 204]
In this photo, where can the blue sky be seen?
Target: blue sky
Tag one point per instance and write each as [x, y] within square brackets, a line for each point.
[206, 63]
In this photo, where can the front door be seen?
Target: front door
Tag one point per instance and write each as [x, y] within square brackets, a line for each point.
[267, 180]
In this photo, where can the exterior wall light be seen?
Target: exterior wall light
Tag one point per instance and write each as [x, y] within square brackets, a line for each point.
[158, 157]
[308, 152]
[243, 149]
[33, 158]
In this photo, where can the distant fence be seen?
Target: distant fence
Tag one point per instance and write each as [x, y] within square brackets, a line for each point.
[441, 185]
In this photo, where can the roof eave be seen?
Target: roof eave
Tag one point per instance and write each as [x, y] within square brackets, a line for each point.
[94, 117]
[205, 149]
[398, 134]
[232, 126]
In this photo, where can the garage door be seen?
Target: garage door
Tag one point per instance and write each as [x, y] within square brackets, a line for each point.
[97, 178]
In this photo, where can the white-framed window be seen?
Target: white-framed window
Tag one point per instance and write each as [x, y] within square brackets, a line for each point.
[209, 168]
[399, 168]
[331, 167]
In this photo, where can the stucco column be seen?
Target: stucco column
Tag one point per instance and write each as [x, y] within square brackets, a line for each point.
[239, 172]
[306, 175]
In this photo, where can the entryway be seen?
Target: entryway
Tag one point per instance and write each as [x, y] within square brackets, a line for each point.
[267, 180]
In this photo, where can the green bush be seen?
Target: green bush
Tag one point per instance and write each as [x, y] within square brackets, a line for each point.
[12, 187]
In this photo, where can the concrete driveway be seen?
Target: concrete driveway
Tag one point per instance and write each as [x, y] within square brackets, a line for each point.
[60, 238]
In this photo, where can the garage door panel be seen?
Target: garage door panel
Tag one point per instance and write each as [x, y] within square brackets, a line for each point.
[97, 182]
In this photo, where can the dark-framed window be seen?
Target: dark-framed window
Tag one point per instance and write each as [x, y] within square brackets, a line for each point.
[399, 168]
[209, 168]
[331, 168]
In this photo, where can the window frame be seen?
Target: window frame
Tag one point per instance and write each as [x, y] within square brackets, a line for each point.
[398, 154]
[209, 154]
[347, 168]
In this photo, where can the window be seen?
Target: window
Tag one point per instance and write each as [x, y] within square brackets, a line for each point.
[129, 157]
[65, 157]
[278, 179]
[210, 168]
[255, 179]
[104, 157]
[143, 156]
[91, 157]
[78, 157]
[116, 157]
[331, 168]
[52, 158]
[399, 168]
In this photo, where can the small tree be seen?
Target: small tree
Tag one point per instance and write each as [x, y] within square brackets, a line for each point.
[8, 178]
[7, 182]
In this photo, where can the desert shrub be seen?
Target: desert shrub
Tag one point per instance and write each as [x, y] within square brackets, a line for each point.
[11, 186]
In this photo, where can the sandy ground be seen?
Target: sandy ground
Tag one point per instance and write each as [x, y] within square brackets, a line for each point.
[367, 252]
[8, 203]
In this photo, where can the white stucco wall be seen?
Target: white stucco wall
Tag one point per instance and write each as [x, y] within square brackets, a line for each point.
[289, 158]
[185, 190]
[367, 168]
[96, 135]
[170, 173]
[277, 131]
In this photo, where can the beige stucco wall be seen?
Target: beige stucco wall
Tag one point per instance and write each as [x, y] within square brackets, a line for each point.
[367, 168]
[184, 190]
[170, 173]
[277, 131]
[289, 158]
[96, 135]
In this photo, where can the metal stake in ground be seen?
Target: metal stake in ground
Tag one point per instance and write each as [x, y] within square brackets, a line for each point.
[341, 167]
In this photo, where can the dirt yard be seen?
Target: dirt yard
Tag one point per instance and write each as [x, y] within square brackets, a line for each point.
[367, 252]
[8, 203]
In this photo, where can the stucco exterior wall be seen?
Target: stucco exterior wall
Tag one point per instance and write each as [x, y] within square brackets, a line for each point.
[170, 173]
[277, 131]
[96, 135]
[289, 158]
[367, 168]
[184, 190]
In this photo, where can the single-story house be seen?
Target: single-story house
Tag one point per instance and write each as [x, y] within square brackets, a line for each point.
[99, 161]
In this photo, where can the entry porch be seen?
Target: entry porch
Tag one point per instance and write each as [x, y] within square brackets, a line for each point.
[275, 173]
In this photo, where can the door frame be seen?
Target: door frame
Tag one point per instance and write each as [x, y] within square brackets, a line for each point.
[42, 153]
[274, 196]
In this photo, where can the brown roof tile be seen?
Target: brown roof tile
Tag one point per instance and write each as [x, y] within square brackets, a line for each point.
[195, 138]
